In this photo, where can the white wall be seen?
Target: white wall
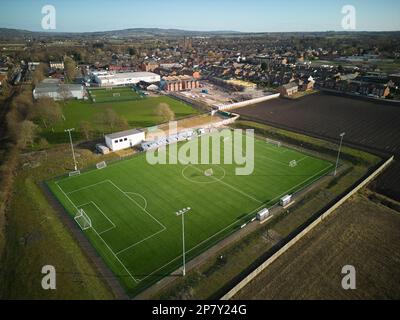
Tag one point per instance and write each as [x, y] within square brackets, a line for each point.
[114, 80]
[127, 141]
[247, 102]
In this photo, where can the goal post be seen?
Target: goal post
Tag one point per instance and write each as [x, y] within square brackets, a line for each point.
[74, 173]
[83, 220]
[101, 165]
[116, 95]
[274, 142]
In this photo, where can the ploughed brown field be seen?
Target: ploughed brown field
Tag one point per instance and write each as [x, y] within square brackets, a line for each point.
[362, 234]
[368, 124]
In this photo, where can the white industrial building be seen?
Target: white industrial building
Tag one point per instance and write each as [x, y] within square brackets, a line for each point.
[107, 79]
[53, 88]
[125, 139]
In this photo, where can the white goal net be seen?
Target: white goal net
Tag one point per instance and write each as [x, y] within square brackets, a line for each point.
[116, 95]
[83, 220]
[74, 173]
[101, 165]
[209, 173]
[276, 143]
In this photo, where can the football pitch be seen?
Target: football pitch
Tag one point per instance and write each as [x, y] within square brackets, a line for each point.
[114, 94]
[133, 206]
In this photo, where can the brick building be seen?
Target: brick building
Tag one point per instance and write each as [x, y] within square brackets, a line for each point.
[179, 83]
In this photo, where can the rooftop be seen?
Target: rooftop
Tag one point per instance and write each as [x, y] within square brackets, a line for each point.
[290, 85]
[178, 78]
[55, 86]
[124, 75]
[123, 134]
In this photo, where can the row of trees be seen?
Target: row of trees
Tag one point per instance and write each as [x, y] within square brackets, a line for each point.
[27, 118]
[21, 129]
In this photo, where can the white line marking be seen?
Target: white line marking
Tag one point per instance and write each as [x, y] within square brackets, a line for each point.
[227, 184]
[199, 244]
[164, 228]
[138, 194]
[302, 159]
[109, 248]
[87, 187]
[245, 217]
[101, 211]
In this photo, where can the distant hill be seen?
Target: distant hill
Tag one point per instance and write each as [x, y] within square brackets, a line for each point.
[9, 34]
[6, 33]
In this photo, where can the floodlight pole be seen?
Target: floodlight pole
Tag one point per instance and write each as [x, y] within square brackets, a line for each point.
[183, 245]
[72, 146]
[340, 149]
[182, 213]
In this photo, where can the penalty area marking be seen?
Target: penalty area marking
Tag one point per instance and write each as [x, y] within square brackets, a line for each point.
[105, 242]
[102, 212]
[115, 254]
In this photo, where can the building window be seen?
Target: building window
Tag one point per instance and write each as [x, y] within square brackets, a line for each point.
[126, 139]
[116, 141]
[120, 140]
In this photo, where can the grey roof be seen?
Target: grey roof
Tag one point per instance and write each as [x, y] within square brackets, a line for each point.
[123, 134]
[47, 87]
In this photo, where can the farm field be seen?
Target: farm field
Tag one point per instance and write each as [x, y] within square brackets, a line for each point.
[138, 113]
[360, 233]
[368, 124]
[135, 227]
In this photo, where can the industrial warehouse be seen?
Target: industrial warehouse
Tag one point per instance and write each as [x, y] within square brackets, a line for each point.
[108, 79]
[53, 88]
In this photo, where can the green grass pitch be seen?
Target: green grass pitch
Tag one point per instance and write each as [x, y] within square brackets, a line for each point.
[133, 206]
[114, 94]
[138, 113]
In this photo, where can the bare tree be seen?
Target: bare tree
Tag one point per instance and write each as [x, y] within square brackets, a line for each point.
[47, 111]
[65, 92]
[70, 68]
[114, 121]
[39, 74]
[27, 134]
[164, 111]
[86, 129]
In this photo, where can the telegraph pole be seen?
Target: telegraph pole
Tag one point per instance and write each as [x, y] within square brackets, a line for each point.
[72, 147]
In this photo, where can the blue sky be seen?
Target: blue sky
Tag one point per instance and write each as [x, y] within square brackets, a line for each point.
[245, 15]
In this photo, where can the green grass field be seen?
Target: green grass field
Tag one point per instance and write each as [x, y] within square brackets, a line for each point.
[138, 113]
[133, 205]
[114, 94]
